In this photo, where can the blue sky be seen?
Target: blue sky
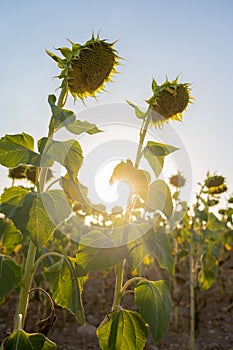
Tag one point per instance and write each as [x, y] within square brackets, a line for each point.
[157, 38]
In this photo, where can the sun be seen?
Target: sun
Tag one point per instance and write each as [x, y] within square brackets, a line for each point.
[111, 195]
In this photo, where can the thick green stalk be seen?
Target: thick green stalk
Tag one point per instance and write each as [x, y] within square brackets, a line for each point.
[29, 265]
[25, 287]
[119, 270]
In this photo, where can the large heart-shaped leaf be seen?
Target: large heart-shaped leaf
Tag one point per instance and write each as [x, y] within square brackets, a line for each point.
[159, 198]
[97, 252]
[122, 329]
[18, 149]
[66, 289]
[67, 153]
[35, 215]
[10, 275]
[154, 304]
[20, 340]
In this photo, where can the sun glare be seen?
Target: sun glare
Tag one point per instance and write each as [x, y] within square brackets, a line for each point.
[118, 193]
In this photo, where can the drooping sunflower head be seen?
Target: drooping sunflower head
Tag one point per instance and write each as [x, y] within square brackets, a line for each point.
[215, 184]
[87, 68]
[169, 101]
[177, 180]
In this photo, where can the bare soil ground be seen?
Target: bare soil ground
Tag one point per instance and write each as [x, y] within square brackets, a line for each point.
[214, 317]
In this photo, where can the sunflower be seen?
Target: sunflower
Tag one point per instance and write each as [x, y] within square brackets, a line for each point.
[86, 68]
[215, 184]
[177, 180]
[169, 101]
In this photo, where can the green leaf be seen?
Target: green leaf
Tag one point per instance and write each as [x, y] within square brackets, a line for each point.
[159, 198]
[209, 271]
[161, 249]
[67, 153]
[160, 149]
[97, 252]
[139, 114]
[35, 215]
[78, 127]
[154, 241]
[74, 190]
[214, 224]
[9, 235]
[10, 275]
[66, 289]
[13, 205]
[156, 163]
[18, 149]
[122, 329]
[154, 304]
[20, 340]
[155, 152]
[62, 117]
[47, 211]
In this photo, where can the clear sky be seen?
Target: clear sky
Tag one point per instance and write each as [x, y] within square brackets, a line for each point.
[157, 38]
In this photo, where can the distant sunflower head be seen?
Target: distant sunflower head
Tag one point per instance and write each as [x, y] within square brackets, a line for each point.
[87, 68]
[215, 184]
[169, 101]
[177, 181]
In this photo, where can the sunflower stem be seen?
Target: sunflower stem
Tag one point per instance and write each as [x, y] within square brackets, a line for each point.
[143, 132]
[22, 306]
[119, 269]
